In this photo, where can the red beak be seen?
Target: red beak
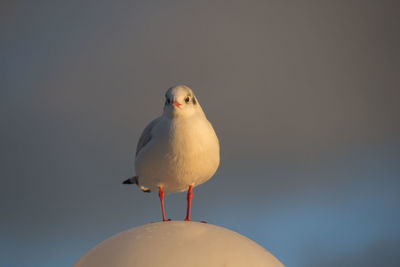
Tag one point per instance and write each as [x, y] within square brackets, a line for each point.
[176, 104]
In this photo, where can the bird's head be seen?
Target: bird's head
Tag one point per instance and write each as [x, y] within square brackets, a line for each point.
[180, 101]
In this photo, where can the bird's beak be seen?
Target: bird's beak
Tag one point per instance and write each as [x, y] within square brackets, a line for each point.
[176, 104]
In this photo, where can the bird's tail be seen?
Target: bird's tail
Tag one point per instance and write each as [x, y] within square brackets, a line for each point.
[133, 180]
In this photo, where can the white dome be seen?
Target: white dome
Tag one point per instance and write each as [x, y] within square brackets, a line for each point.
[178, 244]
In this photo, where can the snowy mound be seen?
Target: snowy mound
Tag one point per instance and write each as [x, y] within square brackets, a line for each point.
[178, 244]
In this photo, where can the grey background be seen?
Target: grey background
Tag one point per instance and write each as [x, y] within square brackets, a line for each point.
[303, 96]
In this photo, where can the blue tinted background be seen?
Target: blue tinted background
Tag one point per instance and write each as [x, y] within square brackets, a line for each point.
[303, 96]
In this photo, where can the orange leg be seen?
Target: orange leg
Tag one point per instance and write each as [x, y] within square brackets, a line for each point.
[189, 202]
[161, 195]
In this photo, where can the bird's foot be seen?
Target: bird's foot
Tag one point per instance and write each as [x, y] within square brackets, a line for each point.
[189, 220]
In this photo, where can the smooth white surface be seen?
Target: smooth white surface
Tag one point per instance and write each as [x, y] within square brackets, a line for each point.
[178, 244]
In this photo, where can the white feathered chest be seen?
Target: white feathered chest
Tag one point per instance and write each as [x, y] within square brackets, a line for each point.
[183, 151]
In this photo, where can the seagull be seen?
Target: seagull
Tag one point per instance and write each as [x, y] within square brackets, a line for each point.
[178, 150]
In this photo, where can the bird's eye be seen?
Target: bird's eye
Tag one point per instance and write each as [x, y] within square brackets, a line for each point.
[187, 99]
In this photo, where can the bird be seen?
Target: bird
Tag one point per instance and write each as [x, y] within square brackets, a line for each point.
[178, 150]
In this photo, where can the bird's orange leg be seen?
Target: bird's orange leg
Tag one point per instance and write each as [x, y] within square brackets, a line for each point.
[189, 202]
[161, 195]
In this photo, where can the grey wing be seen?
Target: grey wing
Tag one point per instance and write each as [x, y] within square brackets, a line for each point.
[146, 135]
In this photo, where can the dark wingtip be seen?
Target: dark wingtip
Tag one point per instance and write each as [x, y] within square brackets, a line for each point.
[129, 181]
